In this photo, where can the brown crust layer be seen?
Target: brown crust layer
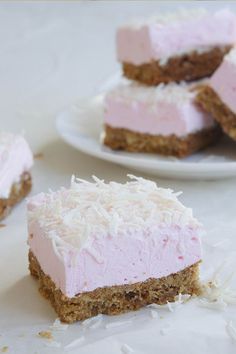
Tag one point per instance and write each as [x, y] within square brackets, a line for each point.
[18, 192]
[187, 67]
[124, 139]
[115, 300]
[211, 102]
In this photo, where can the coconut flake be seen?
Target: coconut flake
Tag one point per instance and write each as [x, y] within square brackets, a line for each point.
[126, 349]
[93, 322]
[118, 324]
[214, 305]
[218, 294]
[164, 330]
[75, 343]
[154, 306]
[171, 306]
[59, 326]
[231, 56]
[53, 344]
[231, 330]
[154, 314]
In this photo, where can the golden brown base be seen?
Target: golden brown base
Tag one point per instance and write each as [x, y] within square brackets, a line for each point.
[18, 192]
[187, 67]
[124, 139]
[211, 102]
[115, 300]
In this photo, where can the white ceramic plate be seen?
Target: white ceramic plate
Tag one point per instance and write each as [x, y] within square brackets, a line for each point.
[81, 126]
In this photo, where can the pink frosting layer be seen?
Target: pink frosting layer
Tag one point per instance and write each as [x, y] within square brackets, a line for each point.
[223, 83]
[163, 118]
[106, 261]
[158, 41]
[15, 158]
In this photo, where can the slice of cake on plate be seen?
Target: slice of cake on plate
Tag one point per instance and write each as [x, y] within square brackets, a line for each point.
[16, 159]
[187, 45]
[163, 119]
[219, 96]
[110, 248]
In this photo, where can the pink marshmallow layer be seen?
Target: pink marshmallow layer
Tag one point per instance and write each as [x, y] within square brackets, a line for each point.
[223, 83]
[106, 261]
[160, 41]
[155, 118]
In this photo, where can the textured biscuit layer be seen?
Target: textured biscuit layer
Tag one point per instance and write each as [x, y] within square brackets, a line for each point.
[18, 191]
[186, 67]
[124, 139]
[211, 102]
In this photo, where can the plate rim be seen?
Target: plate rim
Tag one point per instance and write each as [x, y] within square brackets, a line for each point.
[113, 156]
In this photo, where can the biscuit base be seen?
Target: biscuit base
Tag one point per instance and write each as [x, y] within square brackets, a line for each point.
[114, 300]
[124, 139]
[186, 67]
[18, 191]
[211, 102]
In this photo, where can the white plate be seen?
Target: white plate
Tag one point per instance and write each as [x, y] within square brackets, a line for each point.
[81, 126]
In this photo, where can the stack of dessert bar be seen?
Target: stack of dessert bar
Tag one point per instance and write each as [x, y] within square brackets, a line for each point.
[157, 111]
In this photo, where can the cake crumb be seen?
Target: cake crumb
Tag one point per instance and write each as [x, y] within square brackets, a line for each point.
[45, 334]
[4, 349]
[38, 155]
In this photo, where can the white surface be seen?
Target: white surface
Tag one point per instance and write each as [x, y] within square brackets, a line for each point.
[52, 54]
[81, 126]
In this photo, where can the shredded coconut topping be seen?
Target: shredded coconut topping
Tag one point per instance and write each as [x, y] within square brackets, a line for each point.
[171, 93]
[231, 56]
[70, 217]
[182, 15]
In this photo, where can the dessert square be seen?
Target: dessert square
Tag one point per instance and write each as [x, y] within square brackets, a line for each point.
[16, 159]
[184, 46]
[163, 119]
[111, 248]
[219, 96]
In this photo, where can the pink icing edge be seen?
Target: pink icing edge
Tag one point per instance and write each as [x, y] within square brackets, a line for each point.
[223, 82]
[122, 260]
[19, 159]
[166, 119]
[149, 42]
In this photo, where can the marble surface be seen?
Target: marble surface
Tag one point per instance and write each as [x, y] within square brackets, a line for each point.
[52, 53]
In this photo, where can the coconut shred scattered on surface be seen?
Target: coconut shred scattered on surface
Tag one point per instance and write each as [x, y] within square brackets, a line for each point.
[172, 306]
[59, 326]
[231, 330]
[217, 293]
[70, 216]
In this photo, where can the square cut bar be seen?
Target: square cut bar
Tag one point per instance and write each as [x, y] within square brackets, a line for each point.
[163, 119]
[219, 97]
[187, 45]
[111, 248]
[16, 160]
